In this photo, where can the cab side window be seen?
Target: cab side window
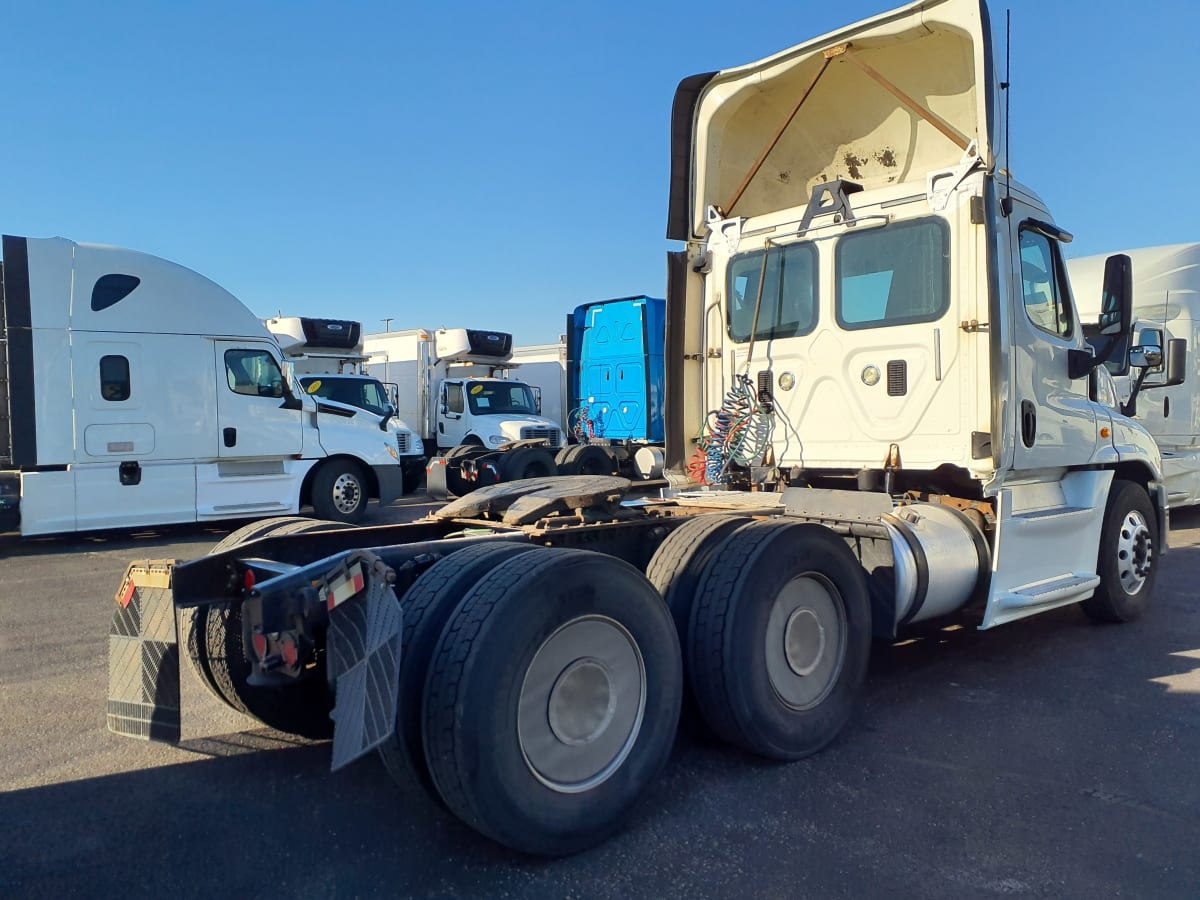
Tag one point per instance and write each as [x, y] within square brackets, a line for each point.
[114, 378]
[1043, 286]
[454, 398]
[253, 373]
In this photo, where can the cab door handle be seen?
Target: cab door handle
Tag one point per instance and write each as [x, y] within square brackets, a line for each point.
[1028, 423]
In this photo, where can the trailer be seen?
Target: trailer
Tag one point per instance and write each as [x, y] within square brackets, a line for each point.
[870, 347]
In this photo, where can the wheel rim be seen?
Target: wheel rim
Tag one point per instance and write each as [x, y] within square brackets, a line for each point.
[806, 640]
[347, 493]
[582, 703]
[1134, 552]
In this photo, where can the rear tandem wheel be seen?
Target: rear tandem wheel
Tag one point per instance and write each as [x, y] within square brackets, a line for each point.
[552, 700]
[213, 637]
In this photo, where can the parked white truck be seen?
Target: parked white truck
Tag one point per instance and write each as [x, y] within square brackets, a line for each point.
[1166, 312]
[134, 391]
[870, 342]
[456, 384]
[327, 356]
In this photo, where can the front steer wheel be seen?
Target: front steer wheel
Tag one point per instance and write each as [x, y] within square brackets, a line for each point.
[552, 700]
[339, 491]
[1128, 556]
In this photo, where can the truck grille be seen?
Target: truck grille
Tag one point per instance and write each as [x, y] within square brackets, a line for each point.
[403, 442]
[548, 434]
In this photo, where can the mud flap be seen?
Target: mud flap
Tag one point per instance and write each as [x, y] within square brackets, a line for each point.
[436, 484]
[143, 656]
[363, 647]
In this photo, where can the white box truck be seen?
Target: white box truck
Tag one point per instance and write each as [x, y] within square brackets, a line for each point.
[458, 386]
[871, 342]
[327, 356]
[134, 392]
[1166, 312]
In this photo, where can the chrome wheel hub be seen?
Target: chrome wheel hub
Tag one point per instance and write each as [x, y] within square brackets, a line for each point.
[347, 493]
[805, 640]
[582, 703]
[1134, 552]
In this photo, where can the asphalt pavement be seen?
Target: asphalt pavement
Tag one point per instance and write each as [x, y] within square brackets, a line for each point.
[1048, 758]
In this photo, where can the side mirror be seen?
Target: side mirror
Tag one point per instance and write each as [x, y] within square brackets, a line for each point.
[1176, 359]
[1116, 303]
[1145, 356]
[1150, 356]
[537, 400]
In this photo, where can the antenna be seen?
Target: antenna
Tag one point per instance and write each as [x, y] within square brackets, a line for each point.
[387, 324]
[1006, 203]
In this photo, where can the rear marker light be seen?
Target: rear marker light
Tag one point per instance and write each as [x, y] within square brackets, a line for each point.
[290, 654]
[260, 644]
[248, 580]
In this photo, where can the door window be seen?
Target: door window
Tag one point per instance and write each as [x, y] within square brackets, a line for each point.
[454, 398]
[253, 373]
[1043, 286]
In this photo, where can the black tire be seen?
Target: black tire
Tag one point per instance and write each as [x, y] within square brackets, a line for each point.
[427, 606]
[747, 650]
[561, 457]
[593, 460]
[482, 743]
[461, 451]
[676, 569]
[214, 642]
[1126, 563]
[456, 483]
[194, 622]
[339, 491]
[527, 462]
[412, 474]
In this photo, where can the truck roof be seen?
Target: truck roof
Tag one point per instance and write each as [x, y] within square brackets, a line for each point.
[94, 287]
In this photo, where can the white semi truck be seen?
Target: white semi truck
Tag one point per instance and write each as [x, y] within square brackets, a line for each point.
[874, 359]
[1166, 313]
[134, 392]
[455, 383]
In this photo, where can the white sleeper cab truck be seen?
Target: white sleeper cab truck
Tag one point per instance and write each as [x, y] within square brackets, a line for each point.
[327, 357]
[1164, 396]
[137, 392]
[881, 408]
[487, 426]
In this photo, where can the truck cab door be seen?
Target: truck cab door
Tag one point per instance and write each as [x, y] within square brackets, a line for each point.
[452, 420]
[256, 414]
[1056, 422]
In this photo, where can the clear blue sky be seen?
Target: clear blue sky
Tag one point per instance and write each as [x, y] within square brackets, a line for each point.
[493, 165]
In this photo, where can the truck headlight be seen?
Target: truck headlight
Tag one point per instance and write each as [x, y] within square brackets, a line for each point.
[496, 439]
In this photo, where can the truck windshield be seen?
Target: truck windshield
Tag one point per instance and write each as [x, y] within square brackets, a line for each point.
[493, 397]
[364, 393]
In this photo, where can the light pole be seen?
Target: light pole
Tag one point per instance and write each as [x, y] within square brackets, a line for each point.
[386, 324]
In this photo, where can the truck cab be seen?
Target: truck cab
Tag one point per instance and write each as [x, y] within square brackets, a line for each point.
[869, 302]
[492, 412]
[1166, 313]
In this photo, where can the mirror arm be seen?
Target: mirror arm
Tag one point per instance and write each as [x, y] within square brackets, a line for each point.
[1129, 407]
